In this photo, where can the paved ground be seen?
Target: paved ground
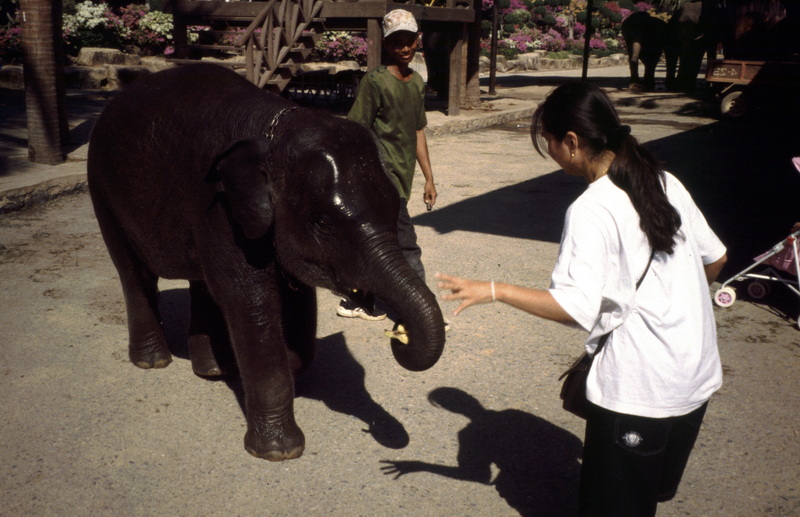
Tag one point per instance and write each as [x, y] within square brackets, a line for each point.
[481, 433]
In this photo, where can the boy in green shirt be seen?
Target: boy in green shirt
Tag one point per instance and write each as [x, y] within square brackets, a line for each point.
[391, 101]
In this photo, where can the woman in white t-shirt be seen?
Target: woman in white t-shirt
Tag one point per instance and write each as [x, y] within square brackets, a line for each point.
[651, 382]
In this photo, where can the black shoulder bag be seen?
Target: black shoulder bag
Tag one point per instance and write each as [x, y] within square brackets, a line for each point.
[573, 391]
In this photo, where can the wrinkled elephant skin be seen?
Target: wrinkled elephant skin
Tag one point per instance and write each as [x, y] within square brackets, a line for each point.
[197, 174]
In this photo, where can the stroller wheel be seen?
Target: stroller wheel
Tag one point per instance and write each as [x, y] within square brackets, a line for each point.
[725, 297]
[758, 289]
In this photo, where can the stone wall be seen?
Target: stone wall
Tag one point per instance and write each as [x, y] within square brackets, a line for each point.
[94, 69]
[536, 61]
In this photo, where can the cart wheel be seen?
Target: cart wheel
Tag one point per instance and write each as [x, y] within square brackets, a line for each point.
[758, 289]
[725, 297]
[733, 105]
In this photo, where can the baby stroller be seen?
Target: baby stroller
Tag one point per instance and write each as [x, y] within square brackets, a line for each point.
[780, 260]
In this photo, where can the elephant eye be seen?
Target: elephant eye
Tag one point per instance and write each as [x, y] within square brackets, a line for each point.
[323, 223]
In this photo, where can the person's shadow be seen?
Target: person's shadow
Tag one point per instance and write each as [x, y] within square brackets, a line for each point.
[536, 461]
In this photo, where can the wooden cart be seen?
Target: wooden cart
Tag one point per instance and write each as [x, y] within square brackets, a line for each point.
[742, 84]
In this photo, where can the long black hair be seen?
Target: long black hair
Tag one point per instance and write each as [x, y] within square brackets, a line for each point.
[586, 110]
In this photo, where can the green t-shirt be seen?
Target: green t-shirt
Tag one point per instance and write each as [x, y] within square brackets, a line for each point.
[395, 110]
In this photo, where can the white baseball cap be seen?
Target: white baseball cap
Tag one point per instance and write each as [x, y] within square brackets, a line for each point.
[399, 20]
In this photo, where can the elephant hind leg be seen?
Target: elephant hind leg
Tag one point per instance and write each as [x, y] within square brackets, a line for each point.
[634, 51]
[209, 347]
[650, 64]
[147, 345]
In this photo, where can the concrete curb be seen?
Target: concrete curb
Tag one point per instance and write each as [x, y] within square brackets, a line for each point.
[472, 123]
[27, 196]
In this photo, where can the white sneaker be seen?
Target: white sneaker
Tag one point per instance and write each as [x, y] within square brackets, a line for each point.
[345, 310]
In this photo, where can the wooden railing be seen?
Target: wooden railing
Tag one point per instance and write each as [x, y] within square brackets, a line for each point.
[286, 28]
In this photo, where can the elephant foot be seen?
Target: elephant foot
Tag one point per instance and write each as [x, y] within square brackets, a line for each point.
[150, 355]
[279, 444]
[208, 361]
[295, 362]
[208, 368]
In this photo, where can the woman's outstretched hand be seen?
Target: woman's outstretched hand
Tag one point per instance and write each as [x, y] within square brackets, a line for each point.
[470, 292]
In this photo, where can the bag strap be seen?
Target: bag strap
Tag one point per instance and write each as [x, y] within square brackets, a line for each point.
[604, 337]
[641, 278]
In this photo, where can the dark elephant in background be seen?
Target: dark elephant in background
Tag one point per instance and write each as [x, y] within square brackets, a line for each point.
[435, 45]
[197, 174]
[693, 31]
[739, 28]
[645, 38]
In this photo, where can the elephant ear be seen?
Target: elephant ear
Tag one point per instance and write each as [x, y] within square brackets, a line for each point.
[241, 169]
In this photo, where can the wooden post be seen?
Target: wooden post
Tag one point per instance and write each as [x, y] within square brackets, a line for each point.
[456, 45]
[374, 44]
[493, 52]
[180, 38]
[472, 96]
[43, 74]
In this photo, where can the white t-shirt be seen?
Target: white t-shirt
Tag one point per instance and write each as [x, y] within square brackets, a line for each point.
[661, 359]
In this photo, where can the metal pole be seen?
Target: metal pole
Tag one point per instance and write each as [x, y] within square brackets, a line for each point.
[493, 53]
[587, 37]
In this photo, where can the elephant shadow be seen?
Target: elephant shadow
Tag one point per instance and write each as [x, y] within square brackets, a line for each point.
[536, 468]
[337, 379]
[334, 377]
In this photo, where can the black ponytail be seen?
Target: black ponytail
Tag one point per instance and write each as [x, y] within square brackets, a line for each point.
[586, 110]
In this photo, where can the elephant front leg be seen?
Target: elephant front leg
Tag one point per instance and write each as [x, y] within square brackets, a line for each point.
[261, 354]
[299, 310]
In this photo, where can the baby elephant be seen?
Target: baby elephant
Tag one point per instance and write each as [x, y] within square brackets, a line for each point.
[197, 174]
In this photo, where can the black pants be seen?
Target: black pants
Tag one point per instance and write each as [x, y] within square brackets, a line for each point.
[407, 236]
[631, 463]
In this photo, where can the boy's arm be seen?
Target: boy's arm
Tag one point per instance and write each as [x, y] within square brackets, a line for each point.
[429, 195]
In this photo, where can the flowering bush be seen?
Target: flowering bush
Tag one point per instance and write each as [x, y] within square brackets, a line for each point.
[89, 26]
[96, 25]
[137, 26]
[338, 46]
[10, 42]
[559, 25]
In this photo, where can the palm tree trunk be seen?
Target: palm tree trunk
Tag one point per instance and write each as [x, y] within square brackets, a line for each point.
[45, 92]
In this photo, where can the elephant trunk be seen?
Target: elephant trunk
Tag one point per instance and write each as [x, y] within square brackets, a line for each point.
[392, 280]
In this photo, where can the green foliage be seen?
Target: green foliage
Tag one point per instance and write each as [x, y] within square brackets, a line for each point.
[561, 54]
[518, 17]
[508, 52]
